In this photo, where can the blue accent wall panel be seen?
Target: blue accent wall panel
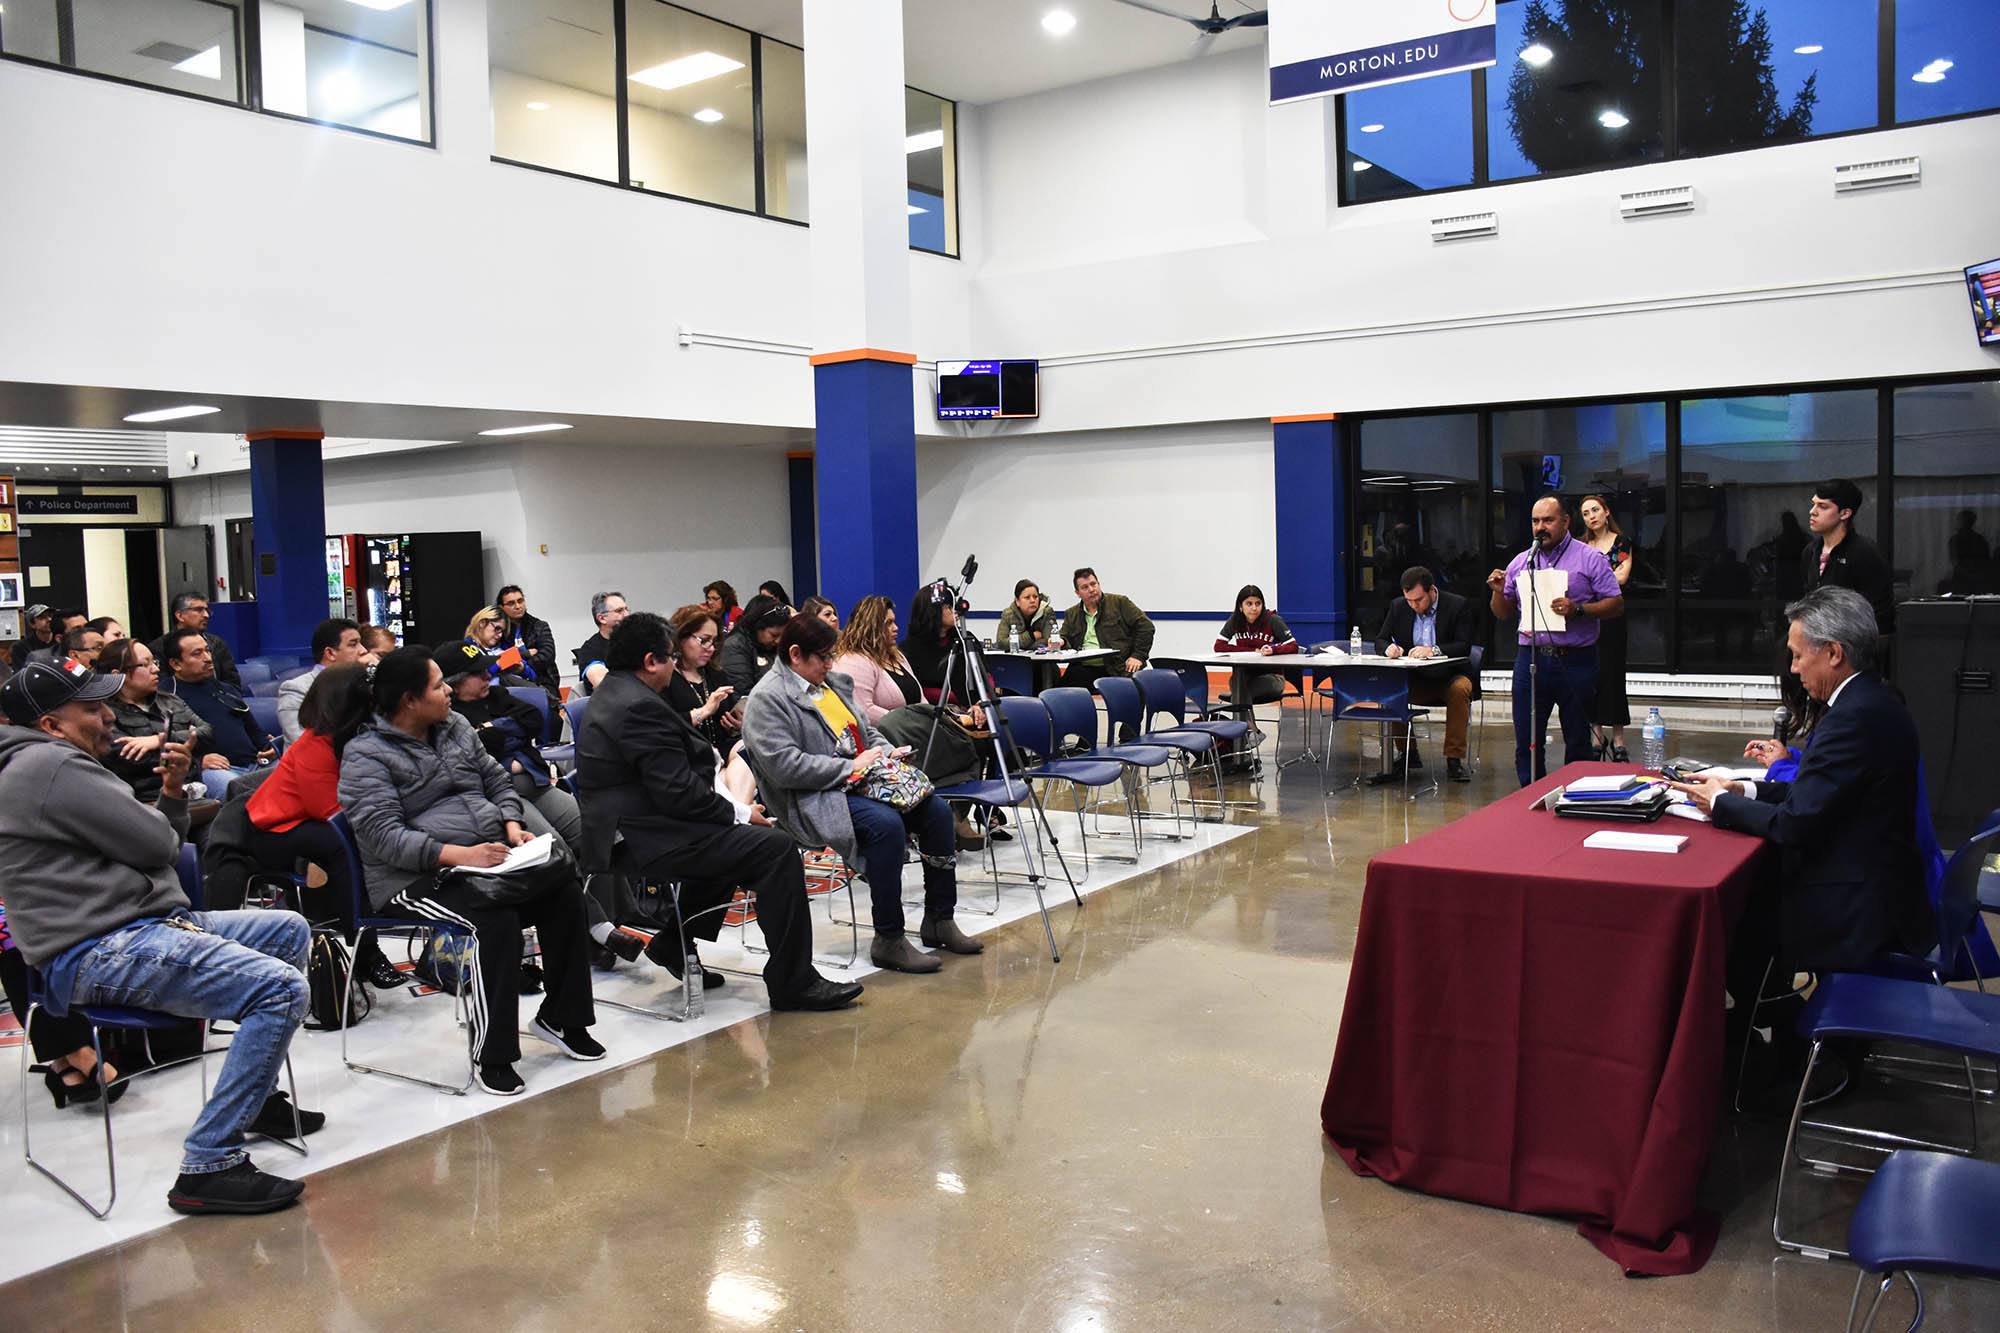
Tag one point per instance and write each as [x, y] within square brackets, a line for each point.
[1309, 461]
[865, 469]
[288, 509]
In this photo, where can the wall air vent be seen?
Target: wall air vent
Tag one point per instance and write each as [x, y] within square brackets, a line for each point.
[1465, 226]
[1874, 175]
[1656, 203]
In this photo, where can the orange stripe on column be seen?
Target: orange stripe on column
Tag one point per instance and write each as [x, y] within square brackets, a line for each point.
[863, 354]
[1310, 416]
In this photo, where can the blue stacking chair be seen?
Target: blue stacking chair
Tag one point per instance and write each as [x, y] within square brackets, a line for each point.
[572, 713]
[1029, 721]
[1124, 708]
[536, 698]
[125, 1018]
[1858, 1006]
[361, 925]
[1013, 793]
[252, 670]
[264, 712]
[1174, 694]
[1073, 724]
[1016, 674]
[1924, 1212]
[1380, 695]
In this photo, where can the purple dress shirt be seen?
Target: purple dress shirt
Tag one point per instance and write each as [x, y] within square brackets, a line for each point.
[1590, 580]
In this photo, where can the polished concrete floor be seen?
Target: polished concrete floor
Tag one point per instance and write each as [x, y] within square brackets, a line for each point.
[1127, 1140]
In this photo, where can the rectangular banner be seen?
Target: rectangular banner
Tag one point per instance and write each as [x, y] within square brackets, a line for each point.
[1321, 47]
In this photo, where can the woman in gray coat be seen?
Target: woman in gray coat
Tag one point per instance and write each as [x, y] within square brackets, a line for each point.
[430, 810]
[810, 748]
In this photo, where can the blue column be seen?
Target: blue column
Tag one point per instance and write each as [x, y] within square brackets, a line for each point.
[865, 464]
[288, 510]
[1309, 462]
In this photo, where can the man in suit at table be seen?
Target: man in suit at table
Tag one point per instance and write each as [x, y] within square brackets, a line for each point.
[1851, 883]
[1427, 622]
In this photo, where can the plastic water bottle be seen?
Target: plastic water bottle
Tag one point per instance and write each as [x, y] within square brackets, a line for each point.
[1655, 733]
[1013, 638]
[1354, 641]
[696, 985]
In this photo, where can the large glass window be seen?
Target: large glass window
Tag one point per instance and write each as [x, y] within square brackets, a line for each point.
[1580, 89]
[1748, 467]
[784, 95]
[1409, 137]
[1418, 505]
[363, 66]
[931, 124]
[1947, 58]
[554, 85]
[190, 46]
[1614, 450]
[692, 129]
[1773, 69]
[1947, 457]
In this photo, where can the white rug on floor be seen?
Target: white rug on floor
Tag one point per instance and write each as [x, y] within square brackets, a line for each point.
[416, 1033]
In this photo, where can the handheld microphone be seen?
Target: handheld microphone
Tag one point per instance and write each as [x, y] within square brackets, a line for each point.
[1781, 717]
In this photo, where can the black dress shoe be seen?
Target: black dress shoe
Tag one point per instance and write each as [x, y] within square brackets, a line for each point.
[665, 950]
[1385, 779]
[821, 994]
[626, 944]
[1455, 770]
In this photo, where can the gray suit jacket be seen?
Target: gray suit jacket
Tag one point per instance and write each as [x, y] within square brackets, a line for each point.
[292, 693]
[800, 780]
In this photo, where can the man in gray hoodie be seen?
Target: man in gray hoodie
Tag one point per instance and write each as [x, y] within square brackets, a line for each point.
[94, 902]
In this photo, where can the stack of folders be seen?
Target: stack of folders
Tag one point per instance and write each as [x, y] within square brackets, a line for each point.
[1633, 797]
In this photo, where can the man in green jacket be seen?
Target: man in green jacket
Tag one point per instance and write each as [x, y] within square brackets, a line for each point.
[1104, 620]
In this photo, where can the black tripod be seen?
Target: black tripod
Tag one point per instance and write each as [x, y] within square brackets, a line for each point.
[966, 662]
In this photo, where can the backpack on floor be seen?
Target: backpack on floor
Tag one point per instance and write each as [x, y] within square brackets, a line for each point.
[329, 972]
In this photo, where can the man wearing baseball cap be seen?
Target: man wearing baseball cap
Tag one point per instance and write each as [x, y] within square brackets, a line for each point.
[95, 903]
[39, 635]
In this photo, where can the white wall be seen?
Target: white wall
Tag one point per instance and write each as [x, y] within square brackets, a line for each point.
[1139, 233]
[655, 524]
[1039, 506]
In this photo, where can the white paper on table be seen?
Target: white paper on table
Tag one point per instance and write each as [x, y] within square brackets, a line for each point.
[1537, 590]
[1615, 841]
[1687, 809]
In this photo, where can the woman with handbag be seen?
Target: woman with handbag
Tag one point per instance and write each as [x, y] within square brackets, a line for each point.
[432, 813]
[829, 778]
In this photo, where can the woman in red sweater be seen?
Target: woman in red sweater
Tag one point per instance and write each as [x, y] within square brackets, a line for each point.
[1255, 628]
[289, 813]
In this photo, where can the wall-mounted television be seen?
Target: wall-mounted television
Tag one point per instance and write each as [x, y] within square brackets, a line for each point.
[985, 389]
[1982, 284]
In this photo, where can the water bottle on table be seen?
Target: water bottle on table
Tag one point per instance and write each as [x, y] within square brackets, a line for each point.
[1655, 734]
[1013, 638]
[1354, 641]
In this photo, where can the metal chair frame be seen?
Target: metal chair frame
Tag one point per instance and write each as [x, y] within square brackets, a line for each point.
[1386, 705]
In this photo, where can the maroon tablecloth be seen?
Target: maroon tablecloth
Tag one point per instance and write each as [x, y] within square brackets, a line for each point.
[1538, 1025]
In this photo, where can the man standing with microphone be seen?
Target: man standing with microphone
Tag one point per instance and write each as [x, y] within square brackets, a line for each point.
[1555, 667]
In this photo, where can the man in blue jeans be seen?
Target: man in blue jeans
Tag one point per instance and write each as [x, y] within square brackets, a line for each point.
[1564, 660]
[94, 902]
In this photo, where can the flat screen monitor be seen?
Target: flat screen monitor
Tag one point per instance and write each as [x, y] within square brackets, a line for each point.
[1982, 284]
[985, 389]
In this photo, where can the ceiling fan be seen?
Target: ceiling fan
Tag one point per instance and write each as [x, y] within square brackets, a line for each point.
[1212, 26]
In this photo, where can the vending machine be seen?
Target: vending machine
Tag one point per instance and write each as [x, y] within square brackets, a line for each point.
[421, 586]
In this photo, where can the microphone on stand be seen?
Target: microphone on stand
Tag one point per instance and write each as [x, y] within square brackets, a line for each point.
[1781, 717]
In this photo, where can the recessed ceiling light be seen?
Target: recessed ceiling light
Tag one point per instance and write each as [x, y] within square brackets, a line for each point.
[536, 429]
[173, 413]
[538, 106]
[1613, 120]
[688, 69]
[1058, 22]
[1372, 129]
[1359, 165]
[1811, 50]
[708, 115]
[920, 143]
[914, 210]
[1536, 55]
[207, 64]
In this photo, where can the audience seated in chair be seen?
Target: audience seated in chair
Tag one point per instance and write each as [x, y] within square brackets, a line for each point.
[607, 609]
[698, 688]
[533, 638]
[190, 611]
[95, 903]
[1429, 622]
[1103, 619]
[143, 717]
[431, 810]
[334, 641]
[241, 746]
[749, 649]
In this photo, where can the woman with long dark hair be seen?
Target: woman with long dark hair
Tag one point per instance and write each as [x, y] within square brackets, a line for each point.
[749, 648]
[1610, 713]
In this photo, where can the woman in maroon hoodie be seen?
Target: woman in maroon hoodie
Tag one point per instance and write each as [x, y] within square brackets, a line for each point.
[1255, 628]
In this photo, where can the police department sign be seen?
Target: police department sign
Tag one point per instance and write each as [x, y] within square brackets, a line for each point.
[1321, 47]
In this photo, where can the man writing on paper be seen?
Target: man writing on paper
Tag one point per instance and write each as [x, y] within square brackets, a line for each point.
[1850, 883]
[1557, 636]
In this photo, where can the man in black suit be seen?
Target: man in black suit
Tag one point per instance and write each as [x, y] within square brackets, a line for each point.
[1426, 622]
[646, 776]
[1843, 558]
[1850, 883]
